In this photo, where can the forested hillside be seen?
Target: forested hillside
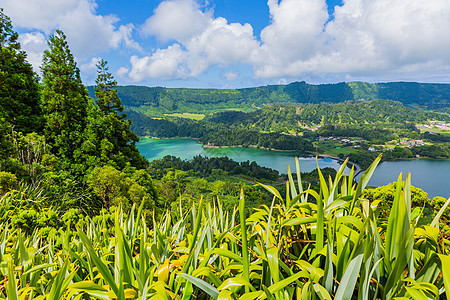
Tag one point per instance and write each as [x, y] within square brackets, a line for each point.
[283, 117]
[158, 100]
[295, 127]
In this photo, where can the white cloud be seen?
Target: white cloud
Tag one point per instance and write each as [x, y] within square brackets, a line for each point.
[164, 63]
[220, 43]
[282, 81]
[295, 34]
[91, 65]
[387, 35]
[89, 70]
[44, 15]
[121, 73]
[34, 44]
[126, 32]
[201, 42]
[177, 20]
[231, 75]
[366, 38]
[87, 32]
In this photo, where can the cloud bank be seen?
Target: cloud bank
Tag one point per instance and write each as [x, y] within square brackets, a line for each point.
[199, 42]
[365, 38]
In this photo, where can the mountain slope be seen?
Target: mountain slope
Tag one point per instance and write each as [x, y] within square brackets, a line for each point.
[159, 100]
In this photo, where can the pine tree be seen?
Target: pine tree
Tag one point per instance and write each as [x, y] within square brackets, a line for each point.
[64, 99]
[19, 85]
[106, 91]
[108, 137]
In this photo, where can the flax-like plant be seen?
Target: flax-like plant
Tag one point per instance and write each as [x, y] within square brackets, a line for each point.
[328, 244]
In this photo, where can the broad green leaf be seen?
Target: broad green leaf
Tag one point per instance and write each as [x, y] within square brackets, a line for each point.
[104, 270]
[245, 256]
[321, 292]
[229, 254]
[272, 258]
[203, 285]
[299, 177]
[285, 282]
[12, 285]
[327, 279]
[362, 183]
[87, 286]
[58, 285]
[347, 285]
[445, 260]
[299, 221]
[90, 288]
[272, 190]
[291, 186]
[233, 282]
[225, 295]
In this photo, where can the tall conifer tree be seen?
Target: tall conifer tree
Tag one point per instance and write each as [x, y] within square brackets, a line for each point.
[108, 138]
[106, 91]
[19, 85]
[64, 99]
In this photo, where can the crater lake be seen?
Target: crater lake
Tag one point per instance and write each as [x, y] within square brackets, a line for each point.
[432, 176]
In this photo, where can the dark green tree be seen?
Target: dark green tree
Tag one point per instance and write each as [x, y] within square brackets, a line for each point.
[19, 85]
[108, 137]
[6, 146]
[64, 100]
[106, 91]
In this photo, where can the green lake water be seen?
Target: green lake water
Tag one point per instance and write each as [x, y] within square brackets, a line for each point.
[433, 176]
[186, 148]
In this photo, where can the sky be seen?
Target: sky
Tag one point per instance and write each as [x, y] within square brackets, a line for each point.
[243, 43]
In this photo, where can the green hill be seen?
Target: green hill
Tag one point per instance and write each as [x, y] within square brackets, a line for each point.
[160, 100]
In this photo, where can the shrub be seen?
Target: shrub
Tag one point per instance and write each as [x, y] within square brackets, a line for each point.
[8, 182]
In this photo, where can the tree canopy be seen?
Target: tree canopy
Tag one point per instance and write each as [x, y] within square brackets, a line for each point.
[19, 84]
[64, 99]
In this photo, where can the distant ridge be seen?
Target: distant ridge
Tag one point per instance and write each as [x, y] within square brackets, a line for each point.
[412, 94]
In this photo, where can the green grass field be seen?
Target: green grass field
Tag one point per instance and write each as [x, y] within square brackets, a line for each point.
[192, 116]
[334, 148]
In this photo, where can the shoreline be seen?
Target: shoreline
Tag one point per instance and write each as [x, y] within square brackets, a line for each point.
[358, 169]
[209, 146]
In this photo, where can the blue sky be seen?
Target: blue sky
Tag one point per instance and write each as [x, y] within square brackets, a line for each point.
[235, 43]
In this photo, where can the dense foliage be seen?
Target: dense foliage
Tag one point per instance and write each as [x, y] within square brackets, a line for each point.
[367, 112]
[295, 127]
[19, 84]
[334, 243]
[64, 102]
[53, 135]
[205, 166]
[109, 137]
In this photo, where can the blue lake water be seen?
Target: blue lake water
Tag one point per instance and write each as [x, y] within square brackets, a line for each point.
[433, 176]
